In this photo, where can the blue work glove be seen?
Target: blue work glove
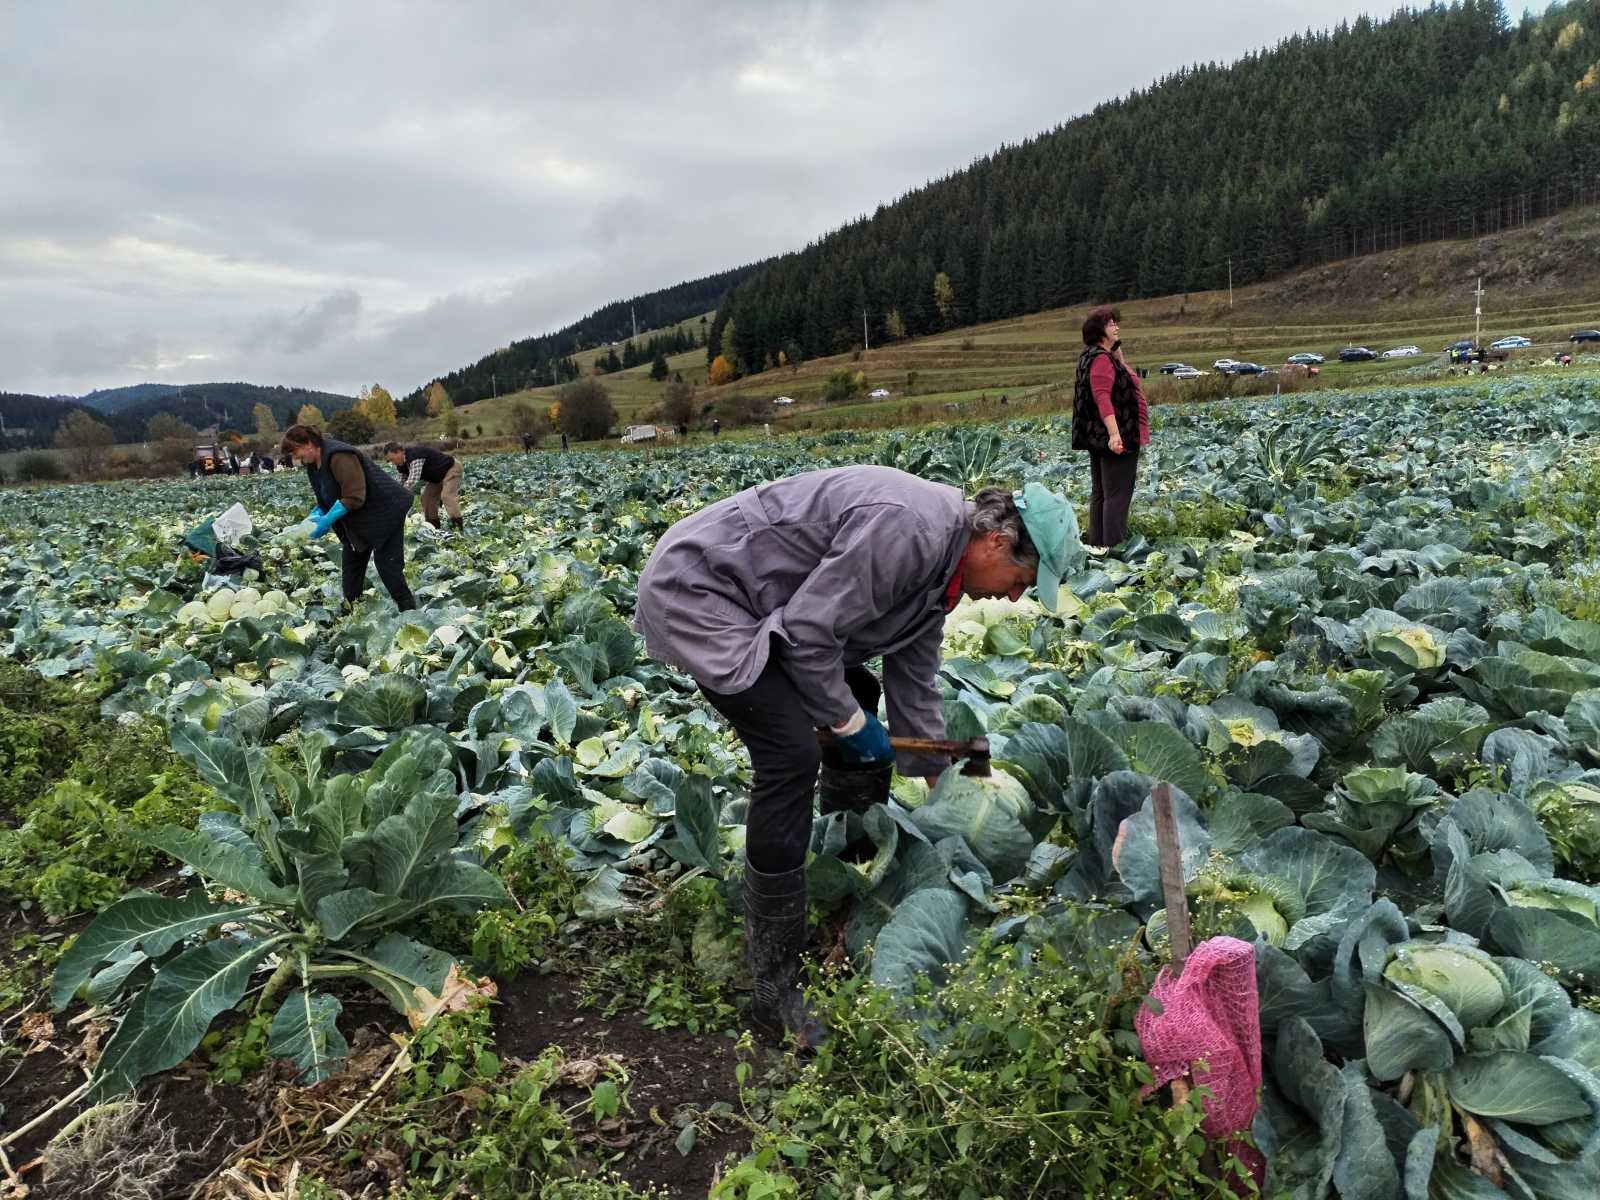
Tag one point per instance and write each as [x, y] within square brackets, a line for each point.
[324, 520]
[867, 746]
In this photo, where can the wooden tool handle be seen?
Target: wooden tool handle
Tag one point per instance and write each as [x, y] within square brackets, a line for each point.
[926, 745]
[940, 746]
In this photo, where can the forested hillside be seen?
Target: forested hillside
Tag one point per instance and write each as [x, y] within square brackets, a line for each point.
[1447, 121]
[547, 358]
[27, 421]
[31, 421]
[118, 398]
[225, 405]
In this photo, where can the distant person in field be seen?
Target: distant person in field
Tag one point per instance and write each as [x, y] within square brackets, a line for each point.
[1111, 420]
[563, 441]
[775, 599]
[362, 504]
[716, 428]
[438, 475]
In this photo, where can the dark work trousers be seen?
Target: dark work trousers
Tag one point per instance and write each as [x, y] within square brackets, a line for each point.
[390, 555]
[1110, 493]
[771, 720]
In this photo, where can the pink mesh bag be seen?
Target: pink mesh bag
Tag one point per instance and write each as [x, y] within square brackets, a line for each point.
[1209, 1027]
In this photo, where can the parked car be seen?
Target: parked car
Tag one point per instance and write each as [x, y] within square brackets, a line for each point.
[878, 394]
[1515, 342]
[1306, 358]
[1357, 354]
[1458, 347]
[783, 401]
[1247, 368]
[1189, 373]
[1222, 364]
[1585, 335]
[1174, 367]
[1402, 352]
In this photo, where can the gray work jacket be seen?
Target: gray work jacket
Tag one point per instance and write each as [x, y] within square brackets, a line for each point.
[829, 569]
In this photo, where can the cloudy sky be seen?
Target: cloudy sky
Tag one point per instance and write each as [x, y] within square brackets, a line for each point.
[328, 194]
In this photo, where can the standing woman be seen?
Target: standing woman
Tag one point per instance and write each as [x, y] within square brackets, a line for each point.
[1110, 420]
[364, 506]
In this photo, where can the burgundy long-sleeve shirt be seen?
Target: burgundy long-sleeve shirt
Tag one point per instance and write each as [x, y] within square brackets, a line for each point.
[1101, 376]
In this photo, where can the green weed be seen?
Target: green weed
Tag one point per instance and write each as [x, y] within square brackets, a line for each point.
[240, 1051]
[1009, 1082]
[666, 958]
[78, 843]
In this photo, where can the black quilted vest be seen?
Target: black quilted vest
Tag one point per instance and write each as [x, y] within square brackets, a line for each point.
[1088, 430]
[386, 506]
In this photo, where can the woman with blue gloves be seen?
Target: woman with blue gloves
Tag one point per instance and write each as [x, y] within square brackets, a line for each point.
[774, 600]
[365, 507]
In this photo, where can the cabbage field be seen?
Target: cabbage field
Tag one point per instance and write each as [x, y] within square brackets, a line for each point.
[357, 857]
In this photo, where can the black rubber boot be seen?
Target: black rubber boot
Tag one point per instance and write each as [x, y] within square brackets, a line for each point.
[456, 523]
[775, 934]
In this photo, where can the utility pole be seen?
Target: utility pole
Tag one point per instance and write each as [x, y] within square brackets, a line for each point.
[632, 317]
[494, 382]
[866, 338]
[1477, 314]
[1230, 281]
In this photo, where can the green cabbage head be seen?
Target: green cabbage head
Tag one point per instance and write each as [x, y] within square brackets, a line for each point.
[1415, 646]
[1468, 982]
[1557, 895]
[1269, 904]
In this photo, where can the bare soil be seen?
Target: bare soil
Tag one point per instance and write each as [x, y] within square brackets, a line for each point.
[675, 1077]
[674, 1074]
[211, 1121]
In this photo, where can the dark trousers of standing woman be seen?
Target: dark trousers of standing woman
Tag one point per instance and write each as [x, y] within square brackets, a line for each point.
[771, 720]
[1110, 493]
[390, 555]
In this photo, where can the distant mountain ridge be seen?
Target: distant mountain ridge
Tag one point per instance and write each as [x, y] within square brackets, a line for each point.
[31, 421]
[110, 400]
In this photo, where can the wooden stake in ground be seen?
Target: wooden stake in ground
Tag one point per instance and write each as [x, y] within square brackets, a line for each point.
[1177, 904]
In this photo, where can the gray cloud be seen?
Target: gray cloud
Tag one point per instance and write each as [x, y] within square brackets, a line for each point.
[335, 315]
[85, 351]
[327, 195]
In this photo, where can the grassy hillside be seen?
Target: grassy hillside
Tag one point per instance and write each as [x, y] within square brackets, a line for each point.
[1542, 281]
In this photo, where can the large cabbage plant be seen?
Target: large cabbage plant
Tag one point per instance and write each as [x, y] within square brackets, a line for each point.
[307, 873]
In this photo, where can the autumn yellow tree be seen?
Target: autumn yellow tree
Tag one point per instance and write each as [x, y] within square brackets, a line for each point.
[721, 371]
[944, 297]
[309, 414]
[266, 423]
[377, 405]
[438, 400]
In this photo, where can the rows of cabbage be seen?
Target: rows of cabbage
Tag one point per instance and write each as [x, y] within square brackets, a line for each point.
[1345, 638]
